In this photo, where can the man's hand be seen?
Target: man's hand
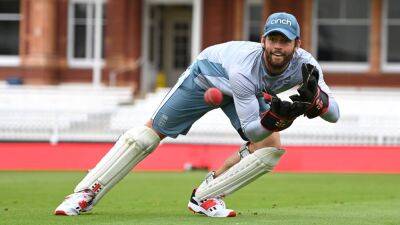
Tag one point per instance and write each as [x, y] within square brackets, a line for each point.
[310, 92]
[282, 113]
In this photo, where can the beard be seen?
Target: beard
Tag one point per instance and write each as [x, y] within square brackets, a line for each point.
[278, 63]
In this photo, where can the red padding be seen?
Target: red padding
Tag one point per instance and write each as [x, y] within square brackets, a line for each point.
[173, 157]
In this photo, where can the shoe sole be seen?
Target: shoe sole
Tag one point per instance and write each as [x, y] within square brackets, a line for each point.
[60, 213]
[232, 214]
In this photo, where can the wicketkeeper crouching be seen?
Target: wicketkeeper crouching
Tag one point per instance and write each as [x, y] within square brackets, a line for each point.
[249, 75]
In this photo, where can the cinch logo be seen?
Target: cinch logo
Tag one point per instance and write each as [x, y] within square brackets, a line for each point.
[282, 21]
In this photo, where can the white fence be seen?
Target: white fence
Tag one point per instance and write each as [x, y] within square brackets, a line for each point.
[369, 116]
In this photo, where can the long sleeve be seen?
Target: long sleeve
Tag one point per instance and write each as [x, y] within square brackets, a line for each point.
[247, 108]
[333, 114]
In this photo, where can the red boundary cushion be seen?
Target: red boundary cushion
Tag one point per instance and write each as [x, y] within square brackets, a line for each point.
[173, 157]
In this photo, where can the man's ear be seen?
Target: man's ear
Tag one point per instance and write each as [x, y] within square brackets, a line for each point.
[263, 41]
[297, 43]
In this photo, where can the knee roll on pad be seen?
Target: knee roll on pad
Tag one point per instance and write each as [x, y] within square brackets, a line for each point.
[131, 148]
[245, 171]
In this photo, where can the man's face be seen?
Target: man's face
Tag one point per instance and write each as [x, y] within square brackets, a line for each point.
[279, 51]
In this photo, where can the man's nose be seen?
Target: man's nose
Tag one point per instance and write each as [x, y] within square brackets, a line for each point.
[277, 45]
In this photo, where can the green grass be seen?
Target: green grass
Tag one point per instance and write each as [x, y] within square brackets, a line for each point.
[161, 198]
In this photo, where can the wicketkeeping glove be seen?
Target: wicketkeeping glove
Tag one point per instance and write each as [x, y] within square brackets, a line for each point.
[282, 113]
[310, 92]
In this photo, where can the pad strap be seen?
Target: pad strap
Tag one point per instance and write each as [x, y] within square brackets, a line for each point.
[244, 150]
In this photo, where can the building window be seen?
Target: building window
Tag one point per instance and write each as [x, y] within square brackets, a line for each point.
[391, 37]
[9, 30]
[253, 21]
[181, 45]
[83, 30]
[341, 34]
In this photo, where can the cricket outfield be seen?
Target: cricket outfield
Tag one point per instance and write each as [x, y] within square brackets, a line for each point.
[161, 198]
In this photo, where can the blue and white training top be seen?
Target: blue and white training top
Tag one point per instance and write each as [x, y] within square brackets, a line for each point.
[237, 68]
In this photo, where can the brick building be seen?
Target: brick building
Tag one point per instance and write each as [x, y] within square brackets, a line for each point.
[129, 42]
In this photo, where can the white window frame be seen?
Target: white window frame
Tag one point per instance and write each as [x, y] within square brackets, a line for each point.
[387, 67]
[246, 21]
[10, 60]
[87, 62]
[354, 67]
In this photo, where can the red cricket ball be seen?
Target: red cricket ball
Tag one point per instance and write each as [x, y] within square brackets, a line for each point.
[213, 97]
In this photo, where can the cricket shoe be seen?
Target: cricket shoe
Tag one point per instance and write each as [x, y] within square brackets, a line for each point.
[76, 203]
[212, 207]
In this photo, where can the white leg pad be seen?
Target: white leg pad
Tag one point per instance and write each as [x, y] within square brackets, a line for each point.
[131, 148]
[245, 171]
